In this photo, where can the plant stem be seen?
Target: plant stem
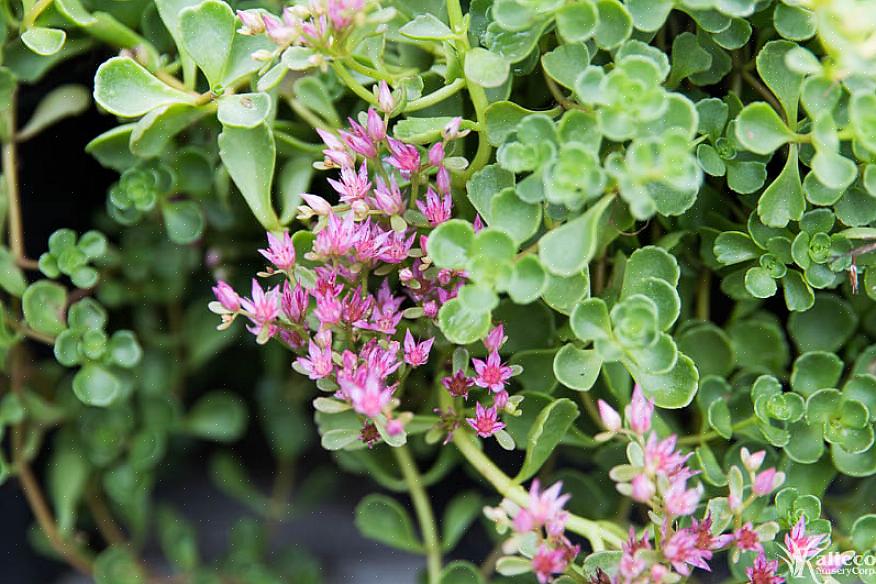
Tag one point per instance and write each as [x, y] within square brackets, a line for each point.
[31, 487]
[103, 518]
[766, 94]
[436, 96]
[10, 175]
[351, 82]
[598, 534]
[423, 508]
[475, 92]
[30, 17]
[701, 438]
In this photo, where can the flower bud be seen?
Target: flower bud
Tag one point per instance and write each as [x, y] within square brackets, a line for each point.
[226, 296]
[610, 418]
[251, 22]
[384, 98]
[752, 462]
[639, 412]
[643, 488]
[766, 482]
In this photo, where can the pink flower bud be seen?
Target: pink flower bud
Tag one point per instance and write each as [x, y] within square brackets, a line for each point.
[436, 154]
[610, 418]
[766, 482]
[384, 98]
[451, 130]
[251, 22]
[376, 127]
[394, 427]
[226, 296]
[639, 411]
[319, 205]
[752, 462]
[278, 32]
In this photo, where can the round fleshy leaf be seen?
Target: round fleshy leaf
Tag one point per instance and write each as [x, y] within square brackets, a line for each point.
[577, 368]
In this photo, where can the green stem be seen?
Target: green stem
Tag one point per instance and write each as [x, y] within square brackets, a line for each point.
[598, 534]
[475, 92]
[424, 511]
[368, 71]
[348, 79]
[701, 438]
[30, 17]
[436, 96]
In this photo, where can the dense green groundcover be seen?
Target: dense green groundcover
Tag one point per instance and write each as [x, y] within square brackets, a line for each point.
[628, 240]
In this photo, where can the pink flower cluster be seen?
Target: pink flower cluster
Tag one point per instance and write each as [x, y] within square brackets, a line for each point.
[491, 374]
[543, 516]
[318, 24]
[346, 337]
[658, 476]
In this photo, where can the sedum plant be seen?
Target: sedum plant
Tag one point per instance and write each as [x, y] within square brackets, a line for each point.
[537, 242]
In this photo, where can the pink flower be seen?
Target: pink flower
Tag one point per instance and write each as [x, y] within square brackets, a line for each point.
[747, 539]
[457, 385]
[396, 246]
[388, 198]
[279, 32]
[262, 310]
[609, 416]
[404, 157]
[368, 399]
[280, 251]
[356, 306]
[767, 481]
[358, 140]
[328, 309]
[294, 302]
[800, 546]
[442, 179]
[385, 315]
[548, 561]
[631, 563]
[706, 541]
[485, 421]
[682, 552]
[336, 154]
[662, 458]
[337, 237]
[492, 374]
[436, 209]
[763, 571]
[436, 154]
[353, 186]
[226, 296]
[317, 205]
[752, 462]
[417, 354]
[384, 98]
[251, 22]
[544, 508]
[679, 500]
[500, 400]
[643, 488]
[639, 412]
[318, 364]
[495, 338]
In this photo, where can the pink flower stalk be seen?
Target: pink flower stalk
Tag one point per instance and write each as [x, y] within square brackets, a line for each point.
[318, 363]
[370, 398]
[544, 509]
[639, 412]
[747, 539]
[643, 488]
[486, 421]
[752, 462]
[294, 302]
[457, 384]
[404, 157]
[227, 297]
[384, 98]
[353, 186]
[763, 571]
[492, 374]
[337, 237]
[251, 22]
[679, 500]
[417, 354]
[495, 338]
[682, 552]
[388, 198]
[609, 416]
[766, 482]
[262, 310]
[436, 209]
[280, 251]
[548, 561]
[800, 546]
